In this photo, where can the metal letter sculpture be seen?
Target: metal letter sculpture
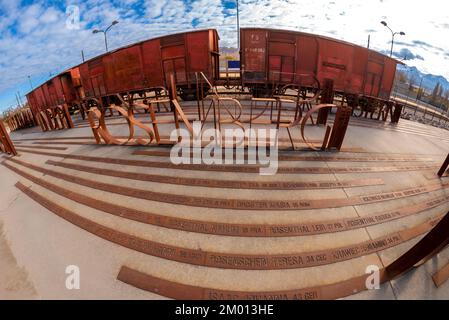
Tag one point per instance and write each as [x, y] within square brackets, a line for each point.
[444, 167]
[97, 122]
[6, 144]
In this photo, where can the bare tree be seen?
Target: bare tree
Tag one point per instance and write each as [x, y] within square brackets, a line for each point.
[446, 98]
[401, 77]
[436, 93]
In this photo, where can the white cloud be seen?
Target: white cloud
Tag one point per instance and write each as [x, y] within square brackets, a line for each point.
[153, 8]
[43, 44]
[29, 19]
[50, 15]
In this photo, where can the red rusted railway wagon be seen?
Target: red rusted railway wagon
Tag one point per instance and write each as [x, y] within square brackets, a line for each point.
[135, 68]
[148, 64]
[59, 90]
[277, 57]
[36, 100]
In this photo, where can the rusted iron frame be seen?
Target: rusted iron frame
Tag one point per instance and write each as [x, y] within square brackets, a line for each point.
[444, 167]
[20, 119]
[303, 102]
[216, 106]
[326, 138]
[381, 106]
[154, 122]
[341, 123]
[327, 97]
[292, 123]
[174, 96]
[200, 84]
[435, 241]
[128, 107]
[199, 96]
[269, 103]
[5, 140]
[47, 117]
[335, 126]
[44, 120]
[56, 118]
[396, 114]
[60, 115]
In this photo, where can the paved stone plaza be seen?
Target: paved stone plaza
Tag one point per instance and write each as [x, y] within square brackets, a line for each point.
[158, 202]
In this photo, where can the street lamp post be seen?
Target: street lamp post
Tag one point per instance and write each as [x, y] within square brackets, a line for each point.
[419, 90]
[238, 25]
[31, 84]
[104, 32]
[392, 35]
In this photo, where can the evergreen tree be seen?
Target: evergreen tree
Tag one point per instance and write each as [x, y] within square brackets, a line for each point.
[411, 82]
[436, 92]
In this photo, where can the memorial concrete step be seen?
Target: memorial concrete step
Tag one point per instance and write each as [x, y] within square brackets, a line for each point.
[74, 210]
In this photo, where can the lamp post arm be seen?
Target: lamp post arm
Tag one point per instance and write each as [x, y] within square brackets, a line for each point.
[392, 42]
[105, 41]
[107, 29]
[390, 29]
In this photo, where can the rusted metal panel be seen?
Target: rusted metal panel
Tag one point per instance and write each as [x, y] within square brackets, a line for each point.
[215, 54]
[6, 144]
[33, 102]
[128, 69]
[67, 87]
[335, 62]
[374, 74]
[444, 167]
[40, 99]
[269, 56]
[281, 57]
[253, 55]
[357, 78]
[108, 75]
[173, 52]
[50, 93]
[148, 64]
[49, 102]
[55, 92]
[152, 66]
[198, 50]
[327, 97]
[85, 81]
[96, 77]
[307, 61]
[45, 95]
[75, 76]
[388, 78]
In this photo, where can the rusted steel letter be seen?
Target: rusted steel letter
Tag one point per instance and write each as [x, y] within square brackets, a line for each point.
[327, 97]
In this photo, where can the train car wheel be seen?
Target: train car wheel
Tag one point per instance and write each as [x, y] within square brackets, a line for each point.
[189, 94]
[261, 92]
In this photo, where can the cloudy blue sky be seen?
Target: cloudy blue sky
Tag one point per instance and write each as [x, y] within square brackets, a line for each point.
[41, 38]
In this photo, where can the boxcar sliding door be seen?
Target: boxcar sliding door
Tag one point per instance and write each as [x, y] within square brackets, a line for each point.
[374, 72]
[281, 57]
[174, 58]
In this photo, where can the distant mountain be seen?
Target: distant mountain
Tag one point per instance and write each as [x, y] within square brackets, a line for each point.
[230, 51]
[429, 81]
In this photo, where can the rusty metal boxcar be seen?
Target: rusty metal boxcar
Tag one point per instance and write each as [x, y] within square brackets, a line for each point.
[279, 57]
[135, 68]
[148, 64]
[57, 91]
